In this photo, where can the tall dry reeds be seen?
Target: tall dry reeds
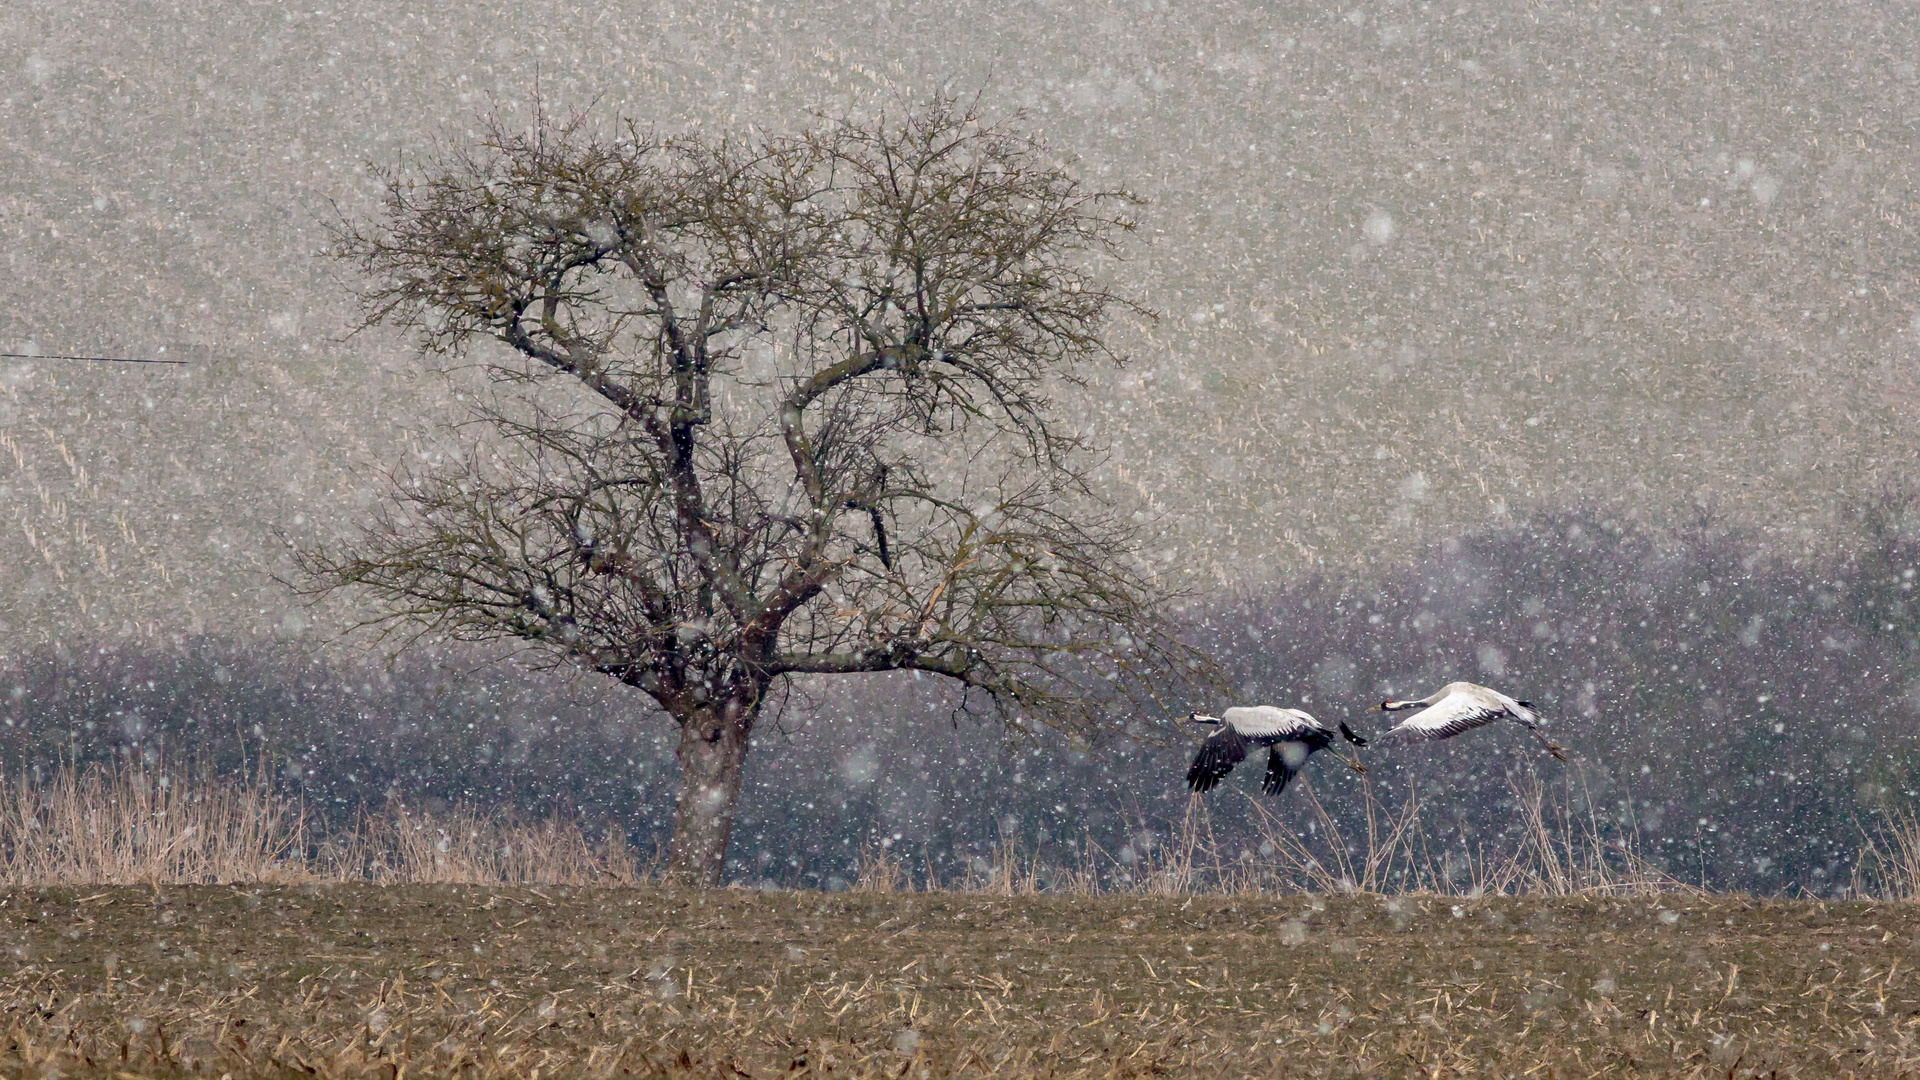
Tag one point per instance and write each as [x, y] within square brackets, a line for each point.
[1564, 851]
[133, 824]
[1012, 871]
[881, 871]
[1560, 849]
[1889, 863]
[136, 823]
[399, 844]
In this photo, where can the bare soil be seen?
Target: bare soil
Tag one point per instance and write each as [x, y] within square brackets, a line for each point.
[388, 981]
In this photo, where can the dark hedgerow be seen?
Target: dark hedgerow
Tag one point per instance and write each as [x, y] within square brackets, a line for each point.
[1747, 716]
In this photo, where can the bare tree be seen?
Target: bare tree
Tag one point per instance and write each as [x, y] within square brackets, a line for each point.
[768, 407]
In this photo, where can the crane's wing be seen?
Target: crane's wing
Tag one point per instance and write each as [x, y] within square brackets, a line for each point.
[1519, 710]
[1283, 762]
[1271, 722]
[1218, 755]
[1446, 718]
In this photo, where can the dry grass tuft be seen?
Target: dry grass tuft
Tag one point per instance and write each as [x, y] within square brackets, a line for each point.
[1562, 850]
[145, 824]
[402, 845]
[129, 824]
[1011, 872]
[880, 871]
[1889, 865]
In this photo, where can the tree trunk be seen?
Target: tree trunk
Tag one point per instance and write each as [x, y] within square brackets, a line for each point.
[713, 755]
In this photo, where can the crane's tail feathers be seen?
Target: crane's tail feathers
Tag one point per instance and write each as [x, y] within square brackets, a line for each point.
[1350, 736]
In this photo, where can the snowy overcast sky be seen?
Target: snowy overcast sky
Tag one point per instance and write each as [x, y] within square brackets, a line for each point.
[1421, 266]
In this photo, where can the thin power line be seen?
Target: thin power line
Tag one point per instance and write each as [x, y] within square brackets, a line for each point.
[100, 359]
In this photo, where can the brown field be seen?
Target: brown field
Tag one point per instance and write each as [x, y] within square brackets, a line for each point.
[439, 980]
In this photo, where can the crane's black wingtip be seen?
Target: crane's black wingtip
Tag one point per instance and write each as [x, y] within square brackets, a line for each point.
[1350, 736]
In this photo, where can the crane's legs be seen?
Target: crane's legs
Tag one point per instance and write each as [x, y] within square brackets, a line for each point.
[1559, 752]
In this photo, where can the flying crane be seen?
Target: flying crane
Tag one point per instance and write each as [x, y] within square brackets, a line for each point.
[1289, 735]
[1463, 706]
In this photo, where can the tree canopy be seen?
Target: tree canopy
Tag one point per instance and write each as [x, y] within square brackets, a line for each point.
[770, 406]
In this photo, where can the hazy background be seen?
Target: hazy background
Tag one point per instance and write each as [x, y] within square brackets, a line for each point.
[1427, 271]
[1746, 721]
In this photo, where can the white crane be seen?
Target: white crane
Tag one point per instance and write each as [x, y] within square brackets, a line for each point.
[1288, 734]
[1463, 706]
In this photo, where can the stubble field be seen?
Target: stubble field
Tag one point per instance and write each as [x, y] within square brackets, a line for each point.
[392, 981]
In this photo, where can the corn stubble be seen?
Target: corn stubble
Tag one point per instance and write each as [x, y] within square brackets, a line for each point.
[341, 980]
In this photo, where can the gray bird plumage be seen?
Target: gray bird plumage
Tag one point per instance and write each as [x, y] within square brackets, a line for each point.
[1290, 735]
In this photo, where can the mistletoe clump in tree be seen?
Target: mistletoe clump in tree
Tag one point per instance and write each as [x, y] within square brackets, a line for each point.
[764, 407]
